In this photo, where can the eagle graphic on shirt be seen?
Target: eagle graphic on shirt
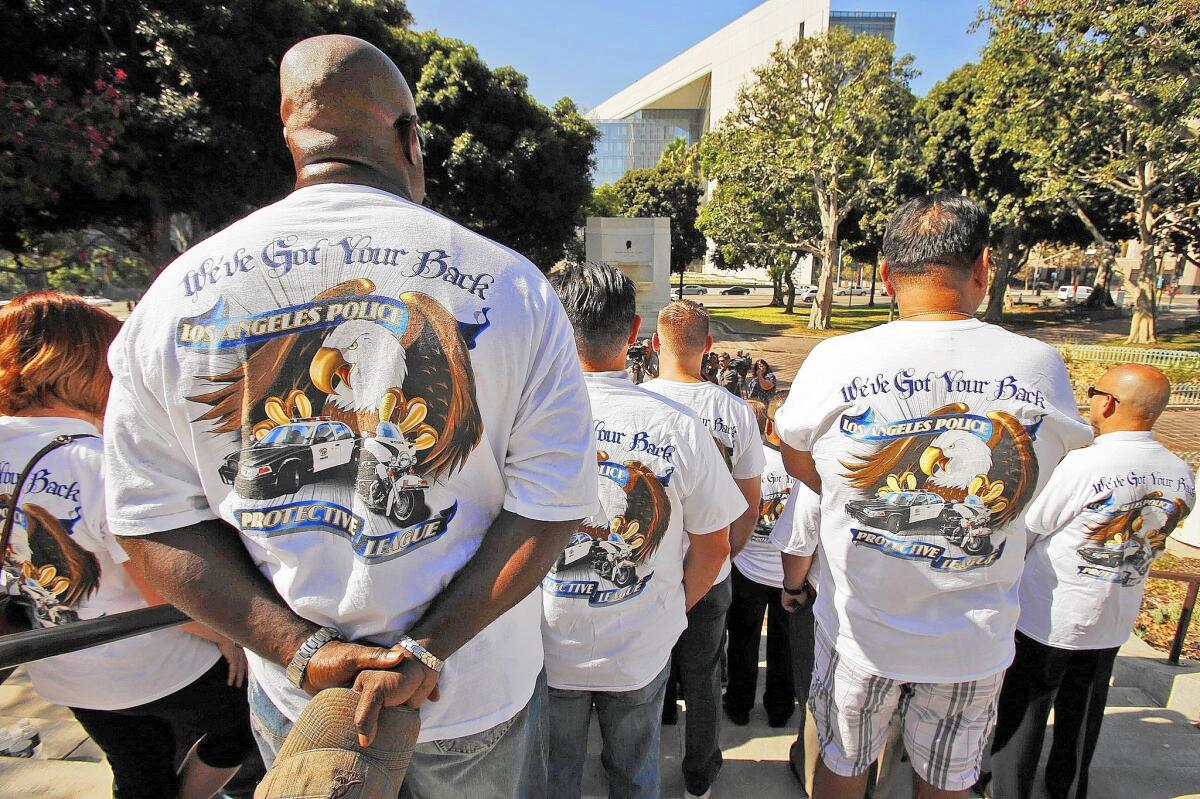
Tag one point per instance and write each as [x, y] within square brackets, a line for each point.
[946, 477]
[55, 571]
[390, 397]
[625, 534]
[1131, 538]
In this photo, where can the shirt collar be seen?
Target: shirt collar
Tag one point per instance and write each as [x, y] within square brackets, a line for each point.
[619, 374]
[1126, 435]
[62, 425]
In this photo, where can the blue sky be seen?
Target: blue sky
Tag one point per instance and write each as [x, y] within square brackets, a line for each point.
[588, 50]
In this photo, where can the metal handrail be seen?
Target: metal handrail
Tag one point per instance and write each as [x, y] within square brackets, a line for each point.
[47, 642]
[1185, 616]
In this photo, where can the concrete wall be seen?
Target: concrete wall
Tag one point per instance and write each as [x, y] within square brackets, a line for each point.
[641, 248]
[729, 56]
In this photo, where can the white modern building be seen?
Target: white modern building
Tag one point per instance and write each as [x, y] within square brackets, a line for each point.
[693, 91]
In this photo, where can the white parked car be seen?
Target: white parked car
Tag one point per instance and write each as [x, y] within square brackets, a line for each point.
[694, 290]
[1079, 294]
[99, 302]
[807, 296]
[851, 291]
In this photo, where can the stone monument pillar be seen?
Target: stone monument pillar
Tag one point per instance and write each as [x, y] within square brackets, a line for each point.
[641, 248]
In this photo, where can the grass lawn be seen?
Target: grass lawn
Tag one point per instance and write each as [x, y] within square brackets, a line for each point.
[1185, 339]
[768, 321]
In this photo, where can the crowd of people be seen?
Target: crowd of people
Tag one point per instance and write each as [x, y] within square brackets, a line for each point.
[410, 464]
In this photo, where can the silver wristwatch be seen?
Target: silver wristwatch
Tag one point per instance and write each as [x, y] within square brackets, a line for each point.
[431, 661]
[299, 663]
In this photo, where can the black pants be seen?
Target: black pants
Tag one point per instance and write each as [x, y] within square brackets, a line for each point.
[696, 661]
[1075, 684]
[803, 644]
[744, 622]
[139, 742]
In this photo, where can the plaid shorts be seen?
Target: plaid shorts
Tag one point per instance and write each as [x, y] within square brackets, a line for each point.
[946, 726]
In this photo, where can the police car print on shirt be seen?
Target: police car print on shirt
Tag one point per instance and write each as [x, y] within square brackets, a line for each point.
[769, 508]
[603, 557]
[953, 474]
[1125, 539]
[369, 398]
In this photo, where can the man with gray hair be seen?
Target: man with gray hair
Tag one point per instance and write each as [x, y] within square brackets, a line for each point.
[926, 439]
[618, 595]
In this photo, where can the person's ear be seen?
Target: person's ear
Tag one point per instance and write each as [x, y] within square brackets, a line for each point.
[770, 431]
[980, 273]
[634, 328]
[655, 344]
[885, 274]
[708, 344]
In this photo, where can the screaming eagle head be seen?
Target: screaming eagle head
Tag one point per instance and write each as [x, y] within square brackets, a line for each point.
[955, 458]
[357, 363]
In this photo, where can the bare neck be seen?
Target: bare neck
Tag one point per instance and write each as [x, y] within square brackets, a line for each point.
[347, 172]
[63, 411]
[679, 370]
[934, 304]
[1116, 424]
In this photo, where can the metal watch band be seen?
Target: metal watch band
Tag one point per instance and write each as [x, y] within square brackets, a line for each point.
[299, 663]
[431, 661]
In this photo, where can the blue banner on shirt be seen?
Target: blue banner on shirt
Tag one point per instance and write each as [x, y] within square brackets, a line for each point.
[620, 474]
[217, 330]
[591, 591]
[863, 427]
[333, 518]
[916, 549]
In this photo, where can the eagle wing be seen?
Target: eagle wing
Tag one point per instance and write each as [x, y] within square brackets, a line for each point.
[647, 503]
[275, 369]
[1158, 538]
[51, 545]
[869, 473]
[1014, 465]
[439, 372]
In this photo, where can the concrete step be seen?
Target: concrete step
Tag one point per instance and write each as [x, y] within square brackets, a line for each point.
[54, 779]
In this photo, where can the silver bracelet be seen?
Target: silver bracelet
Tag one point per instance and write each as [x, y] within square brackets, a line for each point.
[430, 660]
[298, 666]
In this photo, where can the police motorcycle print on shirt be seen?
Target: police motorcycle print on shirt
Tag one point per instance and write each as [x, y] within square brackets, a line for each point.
[604, 557]
[351, 389]
[933, 487]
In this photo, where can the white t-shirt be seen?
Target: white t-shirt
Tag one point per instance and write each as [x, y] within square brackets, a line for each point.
[613, 604]
[1104, 516]
[730, 421]
[930, 439]
[759, 559]
[797, 531]
[360, 386]
[1189, 533]
[72, 566]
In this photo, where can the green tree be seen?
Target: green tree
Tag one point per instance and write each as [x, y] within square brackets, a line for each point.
[754, 218]
[962, 151]
[832, 113]
[1103, 98]
[201, 129]
[664, 191]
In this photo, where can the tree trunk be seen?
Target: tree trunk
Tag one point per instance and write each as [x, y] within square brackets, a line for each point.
[1004, 255]
[822, 307]
[1143, 327]
[776, 289]
[791, 288]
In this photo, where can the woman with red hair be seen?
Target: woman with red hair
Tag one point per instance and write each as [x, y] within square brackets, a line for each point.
[63, 564]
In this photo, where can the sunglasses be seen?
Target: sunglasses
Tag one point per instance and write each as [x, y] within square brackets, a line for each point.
[411, 119]
[1092, 391]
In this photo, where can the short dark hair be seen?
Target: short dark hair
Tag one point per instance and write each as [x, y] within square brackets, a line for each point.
[600, 300]
[936, 230]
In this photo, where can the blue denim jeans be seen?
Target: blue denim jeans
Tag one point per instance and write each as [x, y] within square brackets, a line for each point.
[507, 761]
[629, 727]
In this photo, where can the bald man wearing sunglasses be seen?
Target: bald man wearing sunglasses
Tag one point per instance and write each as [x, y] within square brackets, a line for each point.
[1103, 517]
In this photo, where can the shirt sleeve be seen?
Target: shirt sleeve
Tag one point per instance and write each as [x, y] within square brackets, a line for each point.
[550, 468]
[751, 461]
[1073, 430]
[797, 530]
[150, 484]
[1063, 498]
[94, 511]
[797, 421]
[711, 499]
